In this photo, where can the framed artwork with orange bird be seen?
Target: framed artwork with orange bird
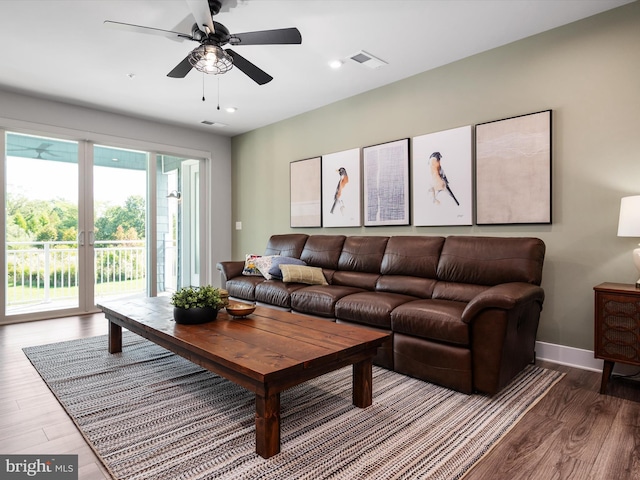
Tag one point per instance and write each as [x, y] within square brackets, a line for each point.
[442, 178]
[341, 194]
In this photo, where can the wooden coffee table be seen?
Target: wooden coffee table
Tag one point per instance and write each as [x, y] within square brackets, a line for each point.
[266, 352]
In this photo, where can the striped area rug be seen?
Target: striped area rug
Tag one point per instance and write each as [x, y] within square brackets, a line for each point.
[150, 414]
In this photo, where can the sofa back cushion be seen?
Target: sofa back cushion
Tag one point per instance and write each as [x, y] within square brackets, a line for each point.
[415, 256]
[491, 260]
[359, 262]
[288, 245]
[362, 254]
[323, 251]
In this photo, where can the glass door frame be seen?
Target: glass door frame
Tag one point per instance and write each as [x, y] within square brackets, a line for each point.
[86, 268]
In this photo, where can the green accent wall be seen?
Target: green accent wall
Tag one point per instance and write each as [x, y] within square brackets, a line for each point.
[587, 72]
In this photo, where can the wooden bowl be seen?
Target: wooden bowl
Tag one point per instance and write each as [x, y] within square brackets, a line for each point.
[240, 309]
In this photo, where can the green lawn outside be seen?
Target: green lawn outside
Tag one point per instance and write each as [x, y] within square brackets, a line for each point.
[21, 295]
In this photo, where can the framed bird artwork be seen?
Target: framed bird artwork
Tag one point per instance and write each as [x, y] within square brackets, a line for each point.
[442, 178]
[341, 205]
[386, 183]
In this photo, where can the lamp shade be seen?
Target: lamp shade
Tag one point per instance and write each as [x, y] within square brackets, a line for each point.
[629, 221]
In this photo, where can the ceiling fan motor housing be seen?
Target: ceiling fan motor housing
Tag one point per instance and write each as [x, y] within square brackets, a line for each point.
[214, 6]
[220, 37]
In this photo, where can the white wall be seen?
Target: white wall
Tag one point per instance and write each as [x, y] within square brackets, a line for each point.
[588, 73]
[23, 113]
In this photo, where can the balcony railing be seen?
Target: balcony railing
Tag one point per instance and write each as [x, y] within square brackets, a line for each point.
[43, 272]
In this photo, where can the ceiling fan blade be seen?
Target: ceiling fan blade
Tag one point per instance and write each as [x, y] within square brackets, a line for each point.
[282, 36]
[154, 31]
[202, 14]
[254, 73]
[181, 70]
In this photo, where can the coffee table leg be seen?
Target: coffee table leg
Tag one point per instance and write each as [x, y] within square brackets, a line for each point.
[115, 338]
[362, 383]
[267, 425]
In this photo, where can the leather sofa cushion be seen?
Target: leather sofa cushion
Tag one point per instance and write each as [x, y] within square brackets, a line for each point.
[370, 308]
[287, 245]
[362, 254]
[491, 260]
[243, 287]
[366, 281]
[412, 256]
[320, 300]
[438, 320]
[275, 292]
[323, 251]
[414, 286]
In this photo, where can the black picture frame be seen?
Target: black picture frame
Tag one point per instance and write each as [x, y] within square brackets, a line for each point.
[513, 170]
[386, 185]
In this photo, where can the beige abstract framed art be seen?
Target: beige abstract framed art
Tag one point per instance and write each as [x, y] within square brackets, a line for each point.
[513, 170]
[305, 177]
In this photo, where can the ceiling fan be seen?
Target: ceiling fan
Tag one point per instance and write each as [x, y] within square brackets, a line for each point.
[209, 56]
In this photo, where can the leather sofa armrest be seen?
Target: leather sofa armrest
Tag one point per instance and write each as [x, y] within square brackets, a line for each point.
[230, 269]
[505, 296]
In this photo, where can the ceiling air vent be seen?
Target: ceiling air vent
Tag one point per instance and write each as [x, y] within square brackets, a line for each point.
[214, 124]
[368, 60]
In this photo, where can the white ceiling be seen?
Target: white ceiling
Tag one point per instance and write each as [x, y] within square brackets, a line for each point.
[60, 49]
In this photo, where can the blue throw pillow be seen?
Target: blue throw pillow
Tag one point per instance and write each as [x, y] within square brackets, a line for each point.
[275, 272]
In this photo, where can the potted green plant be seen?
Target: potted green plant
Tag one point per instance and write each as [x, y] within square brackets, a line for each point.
[193, 305]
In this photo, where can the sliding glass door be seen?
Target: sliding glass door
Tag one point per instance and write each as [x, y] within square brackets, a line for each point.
[178, 223]
[41, 224]
[118, 236]
[78, 230]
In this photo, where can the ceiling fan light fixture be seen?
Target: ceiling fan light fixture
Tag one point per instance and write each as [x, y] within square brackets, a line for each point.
[210, 59]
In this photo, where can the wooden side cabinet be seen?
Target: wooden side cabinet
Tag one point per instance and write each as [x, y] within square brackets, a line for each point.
[617, 326]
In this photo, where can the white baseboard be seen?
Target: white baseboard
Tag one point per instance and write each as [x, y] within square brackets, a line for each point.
[578, 358]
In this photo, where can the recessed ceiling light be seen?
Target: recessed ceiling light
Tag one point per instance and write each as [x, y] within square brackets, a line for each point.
[231, 109]
[335, 64]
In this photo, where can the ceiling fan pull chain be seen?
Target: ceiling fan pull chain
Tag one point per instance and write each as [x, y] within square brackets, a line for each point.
[203, 86]
[218, 92]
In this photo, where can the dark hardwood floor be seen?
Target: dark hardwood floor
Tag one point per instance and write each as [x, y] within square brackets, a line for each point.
[572, 433]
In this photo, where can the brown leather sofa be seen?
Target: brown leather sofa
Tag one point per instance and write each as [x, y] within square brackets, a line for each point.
[463, 311]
